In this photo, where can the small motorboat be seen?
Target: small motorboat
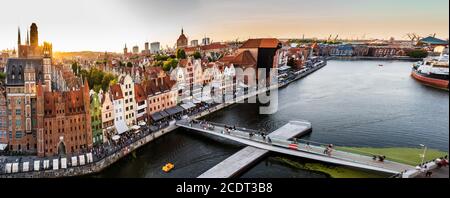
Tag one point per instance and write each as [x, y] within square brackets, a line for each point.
[380, 65]
[168, 167]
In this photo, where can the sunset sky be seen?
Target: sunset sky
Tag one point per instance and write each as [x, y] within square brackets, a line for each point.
[106, 25]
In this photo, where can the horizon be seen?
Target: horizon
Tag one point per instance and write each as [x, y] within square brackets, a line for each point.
[108, 25]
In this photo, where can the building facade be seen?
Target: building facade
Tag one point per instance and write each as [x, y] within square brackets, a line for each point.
[127, 86]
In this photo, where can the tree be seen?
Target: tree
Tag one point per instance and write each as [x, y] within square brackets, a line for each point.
[161, 57]
[129, 64]
[197, 55]
[2, 76]
[181, 54]
[170, 64]
[418, 53]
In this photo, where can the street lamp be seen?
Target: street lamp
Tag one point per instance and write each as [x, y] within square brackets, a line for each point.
[424, 152]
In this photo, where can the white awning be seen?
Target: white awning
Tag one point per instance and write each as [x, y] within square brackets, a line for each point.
[81, 157]
[89, 158]
[15, 167]
[3, 146]
[116, 137]
[63, 163]
[46, 164]
[55, 164]
[37, 165]
[188, 105]
[135, 127]
[121, 127]
[26, 166]
[74, 161]
[8, 167]
[142, 123]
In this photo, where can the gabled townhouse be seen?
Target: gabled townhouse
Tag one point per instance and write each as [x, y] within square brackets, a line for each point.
[127, 86]
[107, 116]
[119, 112]
[141, 104]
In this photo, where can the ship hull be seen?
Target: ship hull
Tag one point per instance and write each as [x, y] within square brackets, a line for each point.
[433, 82]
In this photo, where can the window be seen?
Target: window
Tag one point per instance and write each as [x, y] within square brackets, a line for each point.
[18, 123]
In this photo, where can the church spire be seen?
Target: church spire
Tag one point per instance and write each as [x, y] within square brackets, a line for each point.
[182, 31]
[19, 42]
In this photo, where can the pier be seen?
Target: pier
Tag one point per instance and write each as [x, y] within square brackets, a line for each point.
[244, 158]
[235, 164]
[304, 150]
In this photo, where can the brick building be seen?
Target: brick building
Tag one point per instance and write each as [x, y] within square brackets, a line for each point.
[64, 121]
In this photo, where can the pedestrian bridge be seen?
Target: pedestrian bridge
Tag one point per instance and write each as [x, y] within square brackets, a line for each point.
[277, 142]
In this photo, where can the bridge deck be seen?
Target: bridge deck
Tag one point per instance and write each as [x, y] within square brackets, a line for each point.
[235, 163]
[300, 150]
[291, 130]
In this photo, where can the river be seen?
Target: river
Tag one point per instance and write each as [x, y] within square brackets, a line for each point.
[350, 103]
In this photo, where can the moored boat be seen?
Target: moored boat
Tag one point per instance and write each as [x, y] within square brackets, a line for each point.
[432, 71]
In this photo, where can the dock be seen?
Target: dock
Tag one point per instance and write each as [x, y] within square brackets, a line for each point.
[249, 155]
[236, 163]
[294, 148]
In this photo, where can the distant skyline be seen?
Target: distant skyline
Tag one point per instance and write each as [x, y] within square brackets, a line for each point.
[106, 25]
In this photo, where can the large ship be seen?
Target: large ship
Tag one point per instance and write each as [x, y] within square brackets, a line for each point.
[432, 71]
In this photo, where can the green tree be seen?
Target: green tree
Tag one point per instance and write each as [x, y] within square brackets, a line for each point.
[170, 64]
[418, 53]
[197, 55]
[2, 76]
[161, 57]
[181, 54]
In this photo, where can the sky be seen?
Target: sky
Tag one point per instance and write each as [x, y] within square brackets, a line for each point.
[106, 25]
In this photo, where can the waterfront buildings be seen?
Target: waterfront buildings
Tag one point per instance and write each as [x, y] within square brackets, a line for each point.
[141, 103]
[66, 121]
[107, 112]
[96, 118]
[119, 112]
[127, 86]
[161, 94]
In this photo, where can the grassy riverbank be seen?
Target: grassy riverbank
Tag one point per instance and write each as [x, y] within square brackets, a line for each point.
[331, 170]
[411, 156]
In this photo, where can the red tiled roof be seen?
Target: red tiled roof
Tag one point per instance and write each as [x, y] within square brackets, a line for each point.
[214, 46]
[139, 93]
[261, 43]
[116, 92]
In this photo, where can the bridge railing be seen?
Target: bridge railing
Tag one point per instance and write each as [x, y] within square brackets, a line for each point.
[312, 147]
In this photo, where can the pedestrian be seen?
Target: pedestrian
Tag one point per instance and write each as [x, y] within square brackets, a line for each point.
[308, 147]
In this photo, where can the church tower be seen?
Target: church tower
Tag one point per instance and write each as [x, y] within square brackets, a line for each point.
[19, 42]
[34, 40]
[125, 50]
